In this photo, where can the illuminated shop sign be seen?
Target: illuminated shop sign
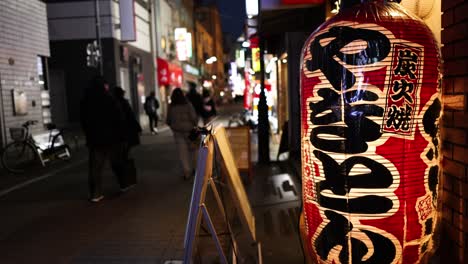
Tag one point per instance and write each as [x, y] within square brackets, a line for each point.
[240, 58]
[251, 7]
[256, 59]
[192, 70]
[183, 41]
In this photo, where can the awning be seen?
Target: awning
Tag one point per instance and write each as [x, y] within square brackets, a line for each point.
[169, 73]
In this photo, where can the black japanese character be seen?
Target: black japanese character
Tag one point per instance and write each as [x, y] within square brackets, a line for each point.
[337, 233]
[399, 117]
[430, 118]
[337, 180]
[407, 62]
[402, 88]
[359, 128]
[431, 127]
[323, 57]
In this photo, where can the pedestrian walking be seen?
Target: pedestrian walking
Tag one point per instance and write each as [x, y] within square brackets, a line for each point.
[209, 108]
[132, 127]
[195, 99]
[103, 124]
[132, 130]
[182, 118]
[151, 106]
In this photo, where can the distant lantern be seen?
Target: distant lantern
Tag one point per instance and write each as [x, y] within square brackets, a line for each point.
[370, 98]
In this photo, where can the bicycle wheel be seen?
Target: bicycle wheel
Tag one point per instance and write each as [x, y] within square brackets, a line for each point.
[60, 147]
[19, 156]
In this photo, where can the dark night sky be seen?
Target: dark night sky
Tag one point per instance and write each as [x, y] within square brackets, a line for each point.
[232, 16]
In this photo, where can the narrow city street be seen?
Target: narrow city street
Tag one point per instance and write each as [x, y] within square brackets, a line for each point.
[51, 220]
[352, 146]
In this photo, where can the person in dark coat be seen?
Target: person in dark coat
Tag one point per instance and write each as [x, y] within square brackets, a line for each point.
[195, 99]
[209, 108]
[151, 106]
[103, 124]
[132, 127]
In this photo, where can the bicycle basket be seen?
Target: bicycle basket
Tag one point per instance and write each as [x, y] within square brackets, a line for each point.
[18, 133]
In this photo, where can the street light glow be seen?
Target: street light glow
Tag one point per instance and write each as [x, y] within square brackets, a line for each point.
[211, 59]
[251, 8]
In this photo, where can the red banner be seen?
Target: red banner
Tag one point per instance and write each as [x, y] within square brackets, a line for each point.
[169, 73]
[176, 74]
[163, 71]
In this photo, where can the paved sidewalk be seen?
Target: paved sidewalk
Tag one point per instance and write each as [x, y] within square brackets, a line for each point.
[51, 221]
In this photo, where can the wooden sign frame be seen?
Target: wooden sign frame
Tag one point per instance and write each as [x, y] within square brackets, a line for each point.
[234, 181]
[239, 148]
[197, 206]
[198, 209]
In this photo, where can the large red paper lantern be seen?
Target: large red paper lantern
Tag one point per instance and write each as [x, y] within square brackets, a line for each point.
[370, 98]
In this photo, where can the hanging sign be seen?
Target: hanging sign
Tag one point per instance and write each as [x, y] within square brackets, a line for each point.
[370, 103]
[127, 20]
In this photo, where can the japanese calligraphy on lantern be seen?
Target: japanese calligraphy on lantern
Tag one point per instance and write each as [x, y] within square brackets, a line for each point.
[403, 90]
[361, 104]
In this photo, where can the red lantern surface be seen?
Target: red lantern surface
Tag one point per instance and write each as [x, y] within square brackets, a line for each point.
[371, 105]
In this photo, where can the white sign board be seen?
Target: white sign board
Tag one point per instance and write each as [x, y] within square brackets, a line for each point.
[127, 20]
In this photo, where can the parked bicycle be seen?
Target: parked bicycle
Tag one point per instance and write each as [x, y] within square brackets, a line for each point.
[26, 151]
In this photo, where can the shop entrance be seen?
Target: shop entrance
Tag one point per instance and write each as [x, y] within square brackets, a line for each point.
[58, 97]
[136, 84]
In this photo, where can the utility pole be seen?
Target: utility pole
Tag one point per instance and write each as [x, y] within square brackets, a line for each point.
[98, 35]
[263, 122]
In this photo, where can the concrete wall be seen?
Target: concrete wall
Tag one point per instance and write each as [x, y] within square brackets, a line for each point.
[71, 20]
[164, 27]
[454, 238]
[23, 36]
[72, 27]
[142, 20]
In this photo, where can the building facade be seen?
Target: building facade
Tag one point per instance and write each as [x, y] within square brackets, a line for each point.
[208, 17]
[24, 51]
[127, 62]
[174, 39]
[204, 50]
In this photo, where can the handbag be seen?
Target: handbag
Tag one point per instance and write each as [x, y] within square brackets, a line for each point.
[193, 134]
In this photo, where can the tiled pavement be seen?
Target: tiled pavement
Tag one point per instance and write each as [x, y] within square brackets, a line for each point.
[50, 221]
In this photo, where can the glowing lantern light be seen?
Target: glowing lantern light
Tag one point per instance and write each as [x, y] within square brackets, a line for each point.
[370, 100]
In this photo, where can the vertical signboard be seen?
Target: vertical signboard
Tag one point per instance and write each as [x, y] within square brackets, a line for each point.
[188, 42]
[370, 100]
[127, 20]
[180, 35]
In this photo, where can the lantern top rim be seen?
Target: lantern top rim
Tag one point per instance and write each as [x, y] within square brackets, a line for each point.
[344, 4]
